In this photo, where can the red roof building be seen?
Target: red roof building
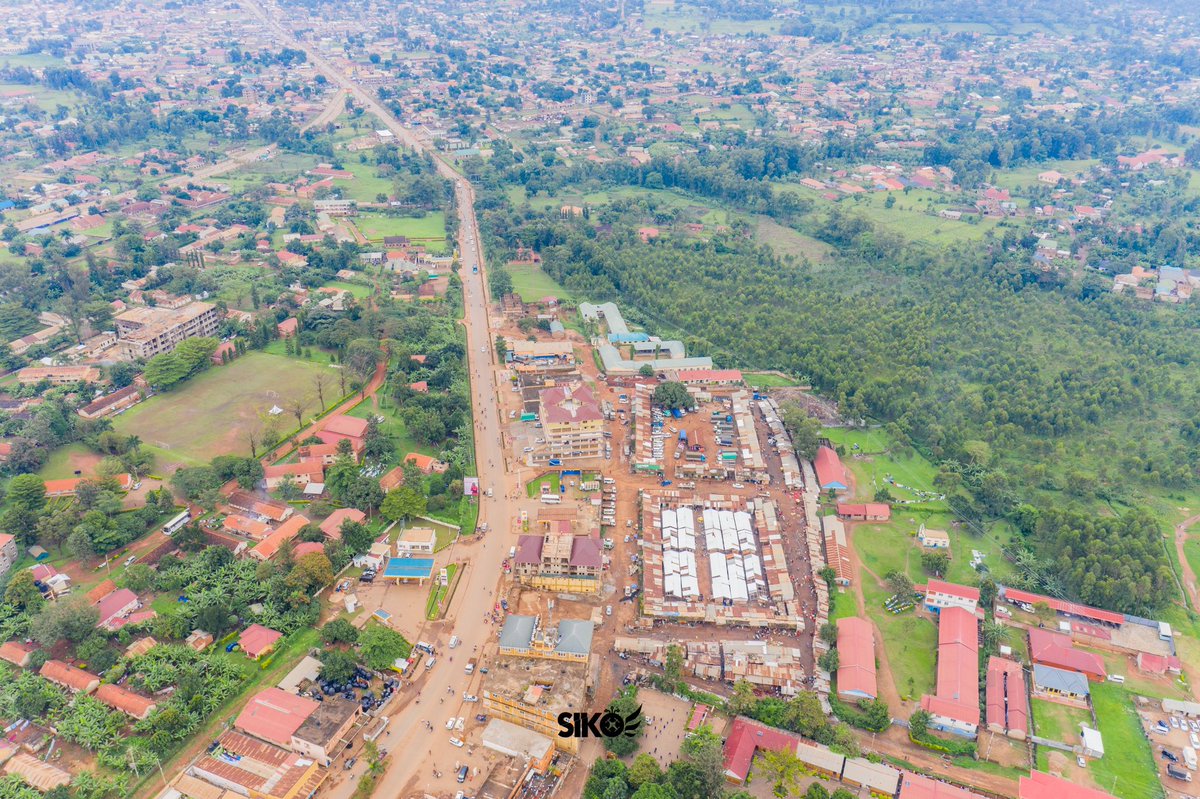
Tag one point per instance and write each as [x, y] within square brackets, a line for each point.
[869, 512]
[856, 659]
[244, 525]
[1028, 601]
[266, 508]
[126, 701]
[269, 546]
[745, 738]
[1006, 699]
[332, 526]
[257, 640]
[940, 595]
[712, 377]
[1039, 785]
[1146, 662]
[274, 715]
[341, 427]
[1056, 649]
[917, 786]
[831, 474]
[115, 606]
[955, 706]
[16, 653]
[69, 677]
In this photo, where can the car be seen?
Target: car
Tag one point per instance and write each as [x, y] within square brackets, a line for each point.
[450, 723]
[738, 486]
[130, 559]
[469, 697]
[1174, 722]
[456, 742]
[529, 449]
[608, 610]
[1082, 763]
[350, 763]
[1169, 755]
[481, 717]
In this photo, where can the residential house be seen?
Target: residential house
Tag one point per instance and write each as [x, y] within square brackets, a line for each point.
[868, 512]
[257, 640]
[126, 701]
[273, 715]
[301, 474]
[269, 546]
[340, 427]
[332, 526]
[416, 541]
[73, 679]
[16, 653]
[115, 607]
[426, 463]
[1060, 685]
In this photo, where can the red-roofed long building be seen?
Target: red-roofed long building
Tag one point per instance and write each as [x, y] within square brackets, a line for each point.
[831, 474]
[856, 659]
[1039, 785]
[274, 715]
[955, 706]
[745, 738]
[1006, 698]
[1056, 649]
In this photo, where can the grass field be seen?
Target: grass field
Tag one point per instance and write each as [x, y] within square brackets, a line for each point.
[63, 461]
[766, 380]
[1059, 722]
[437, 592]
[357, 289]
[365, 186]
[910, 642]
[531, 283]
[429, 230]
[212, 413]
[1127, 769]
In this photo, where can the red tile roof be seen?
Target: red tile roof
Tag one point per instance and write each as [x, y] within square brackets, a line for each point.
[710, 376]
[856, 658]
[332, 526]
[246, 526]
[68, 676]
[270, 545]
[118, 602]
[257, 639]
[101, 590]
[569, 404]
[348, 426]
[1007, 702]
[126, 701]
[16, 653]
[274, 714]
[308, 548]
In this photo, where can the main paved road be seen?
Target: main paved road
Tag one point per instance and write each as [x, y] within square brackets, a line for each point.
[476, 595]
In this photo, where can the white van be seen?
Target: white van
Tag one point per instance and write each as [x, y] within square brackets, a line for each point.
[512, 552]
[453, 641]
[429, 663]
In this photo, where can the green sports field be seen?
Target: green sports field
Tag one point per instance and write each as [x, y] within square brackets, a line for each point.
[212, 413]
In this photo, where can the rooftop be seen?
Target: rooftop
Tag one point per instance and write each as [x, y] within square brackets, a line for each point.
[275, 715]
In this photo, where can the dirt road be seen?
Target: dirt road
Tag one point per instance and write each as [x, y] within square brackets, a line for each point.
[1189, 576]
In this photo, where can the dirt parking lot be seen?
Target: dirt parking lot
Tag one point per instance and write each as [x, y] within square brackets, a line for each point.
[1179, 735]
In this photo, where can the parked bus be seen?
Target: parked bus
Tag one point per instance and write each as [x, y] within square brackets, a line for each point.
[173, 526]
[551, 499]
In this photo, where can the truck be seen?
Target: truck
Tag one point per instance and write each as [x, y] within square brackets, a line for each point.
[1178, 773]
[470, 669]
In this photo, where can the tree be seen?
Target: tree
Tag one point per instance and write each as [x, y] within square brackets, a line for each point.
[381, 647]
[27, 492]
[646, 370]
[829, 633]
[376, 445]
[297, 406]
[22, 593]
[357, 536]
[337, 666]
[935, 561]
[673, 667]
[319, 380]
[339, 631]
[362, 355]
[644, 769]
[652, 790]
[743, 699]
[804, 430]
[673, 396]
[626, 706]
[782, 768]
[139, 577]
[501, 347]
[899, 584]
[72, 618]
[193, 481]
[704, 750]
[829, 660]
[403, 503]
[311, 572]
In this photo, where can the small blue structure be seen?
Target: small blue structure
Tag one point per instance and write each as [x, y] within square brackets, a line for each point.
[419, 569]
